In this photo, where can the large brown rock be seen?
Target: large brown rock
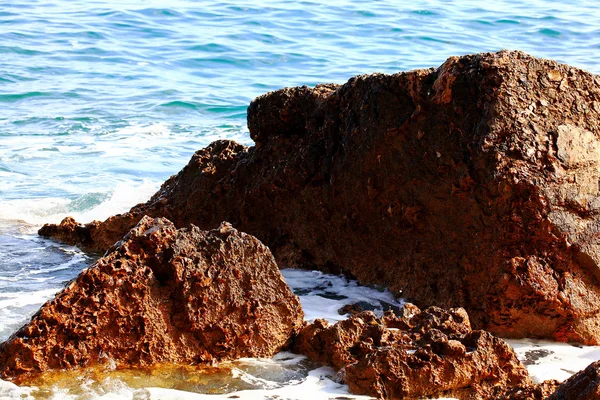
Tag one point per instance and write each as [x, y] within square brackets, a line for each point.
[419, 354]
[474, 185]
[162, 295]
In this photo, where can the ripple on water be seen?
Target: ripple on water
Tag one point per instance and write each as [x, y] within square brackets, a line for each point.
[550, 32]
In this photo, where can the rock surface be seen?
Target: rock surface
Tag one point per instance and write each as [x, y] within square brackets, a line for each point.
[419, 354]
[162, 295]
[472, 185]
[584, 385]
[540, 391]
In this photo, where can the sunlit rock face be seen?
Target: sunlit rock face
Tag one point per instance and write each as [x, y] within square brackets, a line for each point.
[162, 295]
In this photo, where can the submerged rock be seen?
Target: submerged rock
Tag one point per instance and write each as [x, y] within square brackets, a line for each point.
[472, 185]
[419, 354]
[162, 295]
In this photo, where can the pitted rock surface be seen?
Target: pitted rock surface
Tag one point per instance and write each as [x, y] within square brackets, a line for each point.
[162, 295]
[538, 391]
[474, 185]
[428, 353]
[584, 385]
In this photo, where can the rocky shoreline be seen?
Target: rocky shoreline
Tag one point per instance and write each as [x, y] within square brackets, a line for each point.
[162, 295]
[473, 187]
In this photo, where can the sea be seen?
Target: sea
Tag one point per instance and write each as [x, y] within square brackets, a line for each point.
[102, 100]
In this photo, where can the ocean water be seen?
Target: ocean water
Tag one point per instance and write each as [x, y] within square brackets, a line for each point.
[103, 100]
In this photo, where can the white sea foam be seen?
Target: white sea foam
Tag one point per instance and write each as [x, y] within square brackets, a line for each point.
[544, 359]
[550, 360]
[151, 129]
[30, 214]
[17, 300]
[318, 385]
[124, 196]
[136, 140]
[10, 391]
[17, 308]
[23, 213]
[141, 139]
[323, 295]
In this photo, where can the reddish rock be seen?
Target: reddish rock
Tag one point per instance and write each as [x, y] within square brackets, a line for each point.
[162, 295]
[473, 185]
[69, 231]
[540, 391]
[584, 385]
[422, 353]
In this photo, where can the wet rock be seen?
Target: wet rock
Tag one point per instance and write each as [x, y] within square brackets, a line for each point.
[584, 385]
[207, 174]
[353, 309]
[473, 185]
[418, 354]
[69, 231]
[540, 391]
[162, 295]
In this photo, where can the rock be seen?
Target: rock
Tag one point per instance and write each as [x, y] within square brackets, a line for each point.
[69, 231]
[540, 391]
[419, 354]
[175, 201]
[162, 295]
[584, 385]
[473, 185]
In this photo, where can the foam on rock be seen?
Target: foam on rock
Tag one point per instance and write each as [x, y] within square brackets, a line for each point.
[430, 353]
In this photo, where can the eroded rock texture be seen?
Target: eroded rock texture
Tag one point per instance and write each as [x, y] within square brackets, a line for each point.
[540, 391]
[416, 355]
[473, 185]
[162, 295]
[584, 385]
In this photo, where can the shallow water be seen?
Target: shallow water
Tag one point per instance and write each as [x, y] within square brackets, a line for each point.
[103, 100]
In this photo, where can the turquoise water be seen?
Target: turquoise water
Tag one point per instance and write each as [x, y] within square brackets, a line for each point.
[103, 100]
[95, 92]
